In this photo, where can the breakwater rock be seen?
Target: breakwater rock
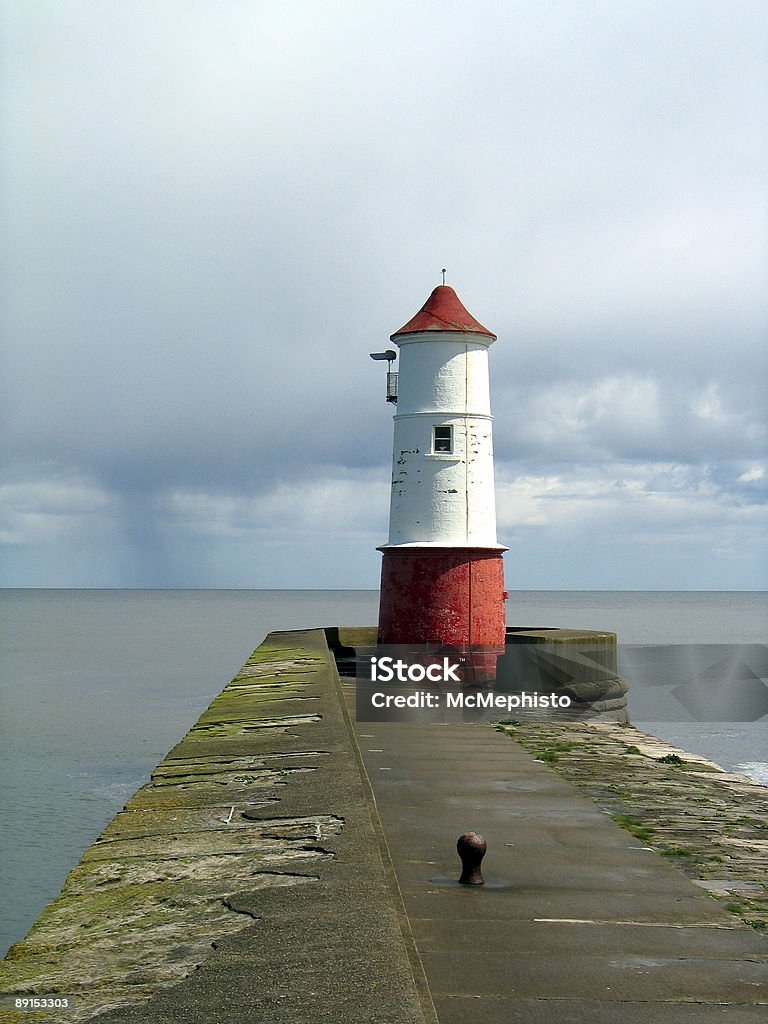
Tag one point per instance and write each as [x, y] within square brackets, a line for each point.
[711, 824]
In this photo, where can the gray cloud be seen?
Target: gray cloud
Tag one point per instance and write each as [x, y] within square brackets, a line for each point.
[214, 212]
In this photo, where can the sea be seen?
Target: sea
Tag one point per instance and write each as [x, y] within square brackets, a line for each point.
[97, 685]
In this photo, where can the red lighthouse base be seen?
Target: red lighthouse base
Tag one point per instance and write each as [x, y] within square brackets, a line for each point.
[442, 596]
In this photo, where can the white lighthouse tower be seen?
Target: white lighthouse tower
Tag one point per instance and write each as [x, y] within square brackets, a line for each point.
[442, 575]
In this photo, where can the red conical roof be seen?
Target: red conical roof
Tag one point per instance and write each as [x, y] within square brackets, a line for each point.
[443, 311]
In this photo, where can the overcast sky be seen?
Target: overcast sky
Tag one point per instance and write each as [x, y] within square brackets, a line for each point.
[213, 211]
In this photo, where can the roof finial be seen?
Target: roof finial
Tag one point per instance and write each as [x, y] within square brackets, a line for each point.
[443, 275]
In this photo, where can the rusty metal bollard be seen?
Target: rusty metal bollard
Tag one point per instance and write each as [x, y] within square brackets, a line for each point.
[471, 848]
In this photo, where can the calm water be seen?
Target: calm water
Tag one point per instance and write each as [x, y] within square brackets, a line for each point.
[97, 686]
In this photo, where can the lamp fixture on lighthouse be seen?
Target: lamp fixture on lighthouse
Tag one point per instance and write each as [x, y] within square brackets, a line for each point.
[442, 571]
[392, 378]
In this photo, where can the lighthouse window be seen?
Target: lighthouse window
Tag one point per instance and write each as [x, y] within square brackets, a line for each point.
[443, 440]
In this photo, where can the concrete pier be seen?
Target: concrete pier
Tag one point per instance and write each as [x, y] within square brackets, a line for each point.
[287, 864]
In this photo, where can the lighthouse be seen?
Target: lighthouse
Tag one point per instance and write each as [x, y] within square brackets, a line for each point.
[442, 577]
